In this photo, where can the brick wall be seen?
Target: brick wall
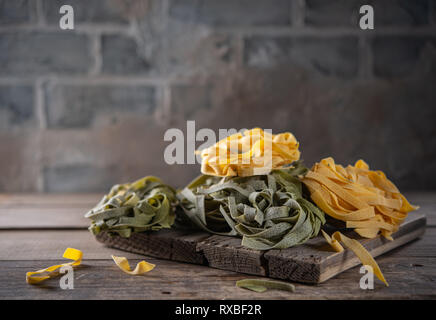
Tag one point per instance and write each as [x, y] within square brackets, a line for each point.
[81, 110]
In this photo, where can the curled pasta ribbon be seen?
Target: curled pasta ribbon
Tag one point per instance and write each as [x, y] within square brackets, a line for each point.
[254, 152]
[366, 200]
[359, 250]
[141, 268]
[267, 211]
[146, 204]
[50, 272]
[262, 285]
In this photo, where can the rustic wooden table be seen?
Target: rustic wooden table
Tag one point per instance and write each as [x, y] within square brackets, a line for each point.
[36, 229]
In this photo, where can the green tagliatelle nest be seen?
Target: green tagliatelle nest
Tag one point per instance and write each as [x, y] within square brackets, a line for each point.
[268, 211]
[146, 204]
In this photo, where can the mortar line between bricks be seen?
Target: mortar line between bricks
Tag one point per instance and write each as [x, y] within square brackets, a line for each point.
[245, 31]
[240, 49]
[430, 12]
[39, 103]
[103, 80]
[40, 18]
[88, 28]
[96, 54]
[165, 23]
[85, 79]
[165, 102]
[163, 114]
[325, 32]
[109, 81]
[365, 59]
[298, 14]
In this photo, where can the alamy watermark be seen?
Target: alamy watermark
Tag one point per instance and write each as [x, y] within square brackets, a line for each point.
[67, 280]
[366, 21]
[66, 22]
[367, 280]
[181, 149]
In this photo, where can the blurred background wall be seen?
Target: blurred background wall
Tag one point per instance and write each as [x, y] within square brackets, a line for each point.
[82, 110]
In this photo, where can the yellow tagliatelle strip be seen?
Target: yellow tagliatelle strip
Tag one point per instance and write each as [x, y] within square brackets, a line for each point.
[366, 200]
[50, 272]
[359, 250]
[141, 268]
[254, 152]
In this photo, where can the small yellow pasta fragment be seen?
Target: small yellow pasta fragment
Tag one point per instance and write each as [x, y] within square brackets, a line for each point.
[50, 272]
[253, 152]
[141, 268]
[366, 200]
[359, 250]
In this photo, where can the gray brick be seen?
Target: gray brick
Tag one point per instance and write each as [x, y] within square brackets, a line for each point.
[85, 11]
[122, 55]
[401, 12]
[188, 100]
[16, 106]
[389, 124]
[432, 5]
[79, 178]
[232, 12]
[332, 13]
[386, 12]
[83, 106]
[16, 11]
[397, 119]
[329, 57]
[33, 53]
[125, 152]
[191, 51]
[19, 160]
[398, 56]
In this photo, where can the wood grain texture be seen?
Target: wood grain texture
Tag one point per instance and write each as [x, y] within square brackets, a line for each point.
[49, 199]
[311, 262]
[165, 244]
[314, 262]
[51, 244]
[101, 279]
[48, 211]
[43, 218]
[410, 269]
[51, 211]
[410, 273]
[227, 253]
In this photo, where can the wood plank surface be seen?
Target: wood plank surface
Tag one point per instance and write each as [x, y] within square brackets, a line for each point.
[49, 199]
[311, 262]
[43, 218]
[101, 279]
[314, 261]
[51, 244]
[26, 246]
[21, 211]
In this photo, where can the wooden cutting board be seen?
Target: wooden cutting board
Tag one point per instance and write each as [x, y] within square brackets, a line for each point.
[312, 262]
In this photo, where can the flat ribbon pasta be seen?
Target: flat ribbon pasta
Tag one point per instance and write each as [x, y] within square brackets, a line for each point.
[141, 267]
[50, 272]
[358, 249]
[268, 211]
[254, 152]
[366, 200]
[146, 204]
[262, 285]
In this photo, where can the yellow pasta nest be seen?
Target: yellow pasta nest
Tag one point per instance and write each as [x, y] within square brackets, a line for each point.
[254, 152]
[366, 200]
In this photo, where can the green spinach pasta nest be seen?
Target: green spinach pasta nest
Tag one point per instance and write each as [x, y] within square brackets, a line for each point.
[268, 211]
[146, 204]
